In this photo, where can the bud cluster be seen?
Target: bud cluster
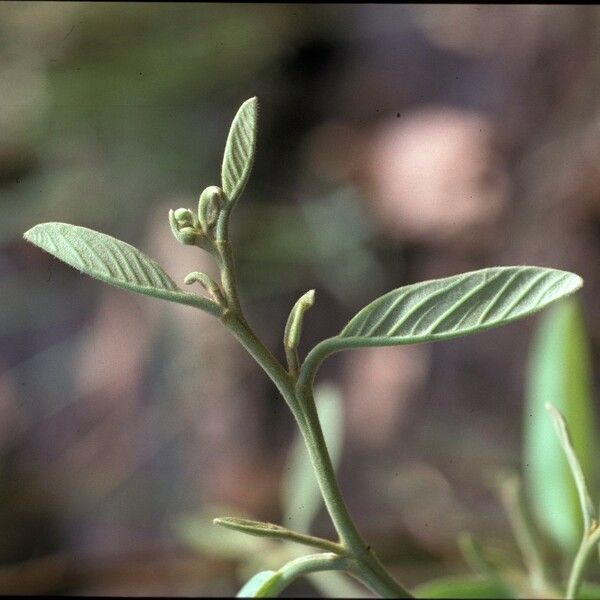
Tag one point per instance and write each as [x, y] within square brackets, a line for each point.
[196, 229]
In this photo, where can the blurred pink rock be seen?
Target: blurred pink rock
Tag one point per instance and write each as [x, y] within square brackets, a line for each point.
[433, 175]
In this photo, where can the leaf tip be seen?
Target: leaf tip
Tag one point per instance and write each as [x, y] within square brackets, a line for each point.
[309, 298]
[575, 282]
[30, 234]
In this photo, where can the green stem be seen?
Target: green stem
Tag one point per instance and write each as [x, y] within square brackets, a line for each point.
[300, 399]
[228, 275]
[590, 541]
[369, 568]
[301, 403]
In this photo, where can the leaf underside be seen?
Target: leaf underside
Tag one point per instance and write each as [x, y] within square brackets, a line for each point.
[458, 305]
[107, 259]
[239, 150]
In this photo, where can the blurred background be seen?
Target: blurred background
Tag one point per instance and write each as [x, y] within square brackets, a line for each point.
[396, 144]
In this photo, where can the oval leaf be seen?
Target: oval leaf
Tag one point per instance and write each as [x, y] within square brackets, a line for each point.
[458, 305]
[239, 150]
[560, 372]
[112, 261]
[260, 585]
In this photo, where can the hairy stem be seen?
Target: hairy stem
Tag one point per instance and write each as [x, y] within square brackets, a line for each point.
[228, 275]
[366, 566]
[368, 569]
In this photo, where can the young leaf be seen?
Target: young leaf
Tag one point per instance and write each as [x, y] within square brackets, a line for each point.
[260, 585]
[112, 261]
[239, 150]
[293, 327]
[300, 496]
[458, 305]
[293, 330]
[587, 508]
[262, 529]
[559, 372]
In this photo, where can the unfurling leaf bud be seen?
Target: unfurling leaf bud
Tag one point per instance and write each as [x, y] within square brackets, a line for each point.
[185, 217]
[208, 284]
[293, 329]
[184, 225]
[209, 206]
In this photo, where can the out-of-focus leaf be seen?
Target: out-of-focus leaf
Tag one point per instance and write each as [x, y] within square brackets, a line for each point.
[460, 587]
[560, 374]
[239, 150]
[476, 557]
[260, 585]
[112, 261]
[301, 497]
[589, 591]
[456, 306]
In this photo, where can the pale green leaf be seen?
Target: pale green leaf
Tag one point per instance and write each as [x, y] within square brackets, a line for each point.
[112, 261]
[239, 150]
[560, 373]
[589, 591]
[301, 497]
[461, 587]
[458, 305]
[260, 585]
